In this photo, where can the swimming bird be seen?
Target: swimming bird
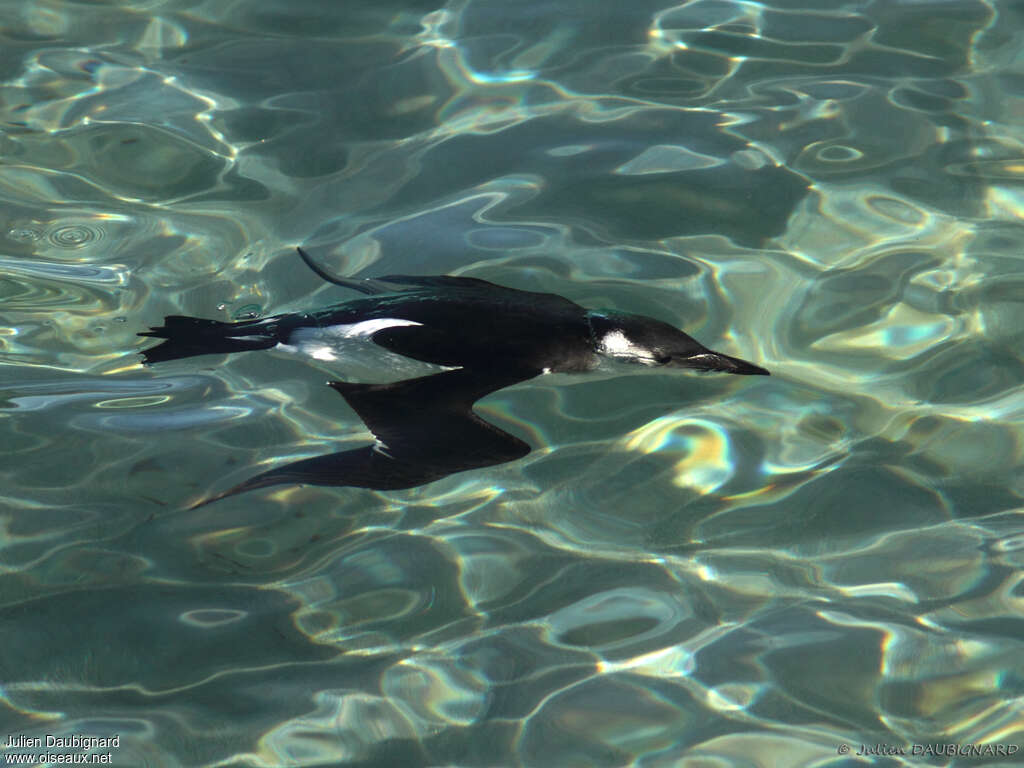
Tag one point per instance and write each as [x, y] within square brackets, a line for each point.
[436, 345]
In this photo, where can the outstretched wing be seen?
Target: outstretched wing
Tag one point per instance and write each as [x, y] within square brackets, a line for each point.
[425, 430]
[363, 285]
[378, 285]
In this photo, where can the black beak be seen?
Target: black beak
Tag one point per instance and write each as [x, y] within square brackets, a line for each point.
[715, 361]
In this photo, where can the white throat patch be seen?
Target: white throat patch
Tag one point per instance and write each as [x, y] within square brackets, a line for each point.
[617, 344]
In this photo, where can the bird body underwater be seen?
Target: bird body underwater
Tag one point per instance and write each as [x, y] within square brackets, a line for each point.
[448, 341]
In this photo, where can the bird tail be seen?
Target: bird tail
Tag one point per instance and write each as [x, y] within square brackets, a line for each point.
[188, 336]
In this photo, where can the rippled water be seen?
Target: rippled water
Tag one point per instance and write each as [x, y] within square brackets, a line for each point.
[687, 571]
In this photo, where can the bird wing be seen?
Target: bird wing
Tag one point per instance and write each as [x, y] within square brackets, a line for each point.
[378, 285]
[425, 428]
[446, 281]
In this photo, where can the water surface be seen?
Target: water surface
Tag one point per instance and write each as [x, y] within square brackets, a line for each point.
[688, 570]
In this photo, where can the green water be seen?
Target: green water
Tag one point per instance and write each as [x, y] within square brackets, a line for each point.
[688, 570]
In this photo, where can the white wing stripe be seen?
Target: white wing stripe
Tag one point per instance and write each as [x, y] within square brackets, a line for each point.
[366, 327]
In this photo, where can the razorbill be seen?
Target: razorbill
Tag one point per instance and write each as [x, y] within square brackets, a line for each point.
[448, 341]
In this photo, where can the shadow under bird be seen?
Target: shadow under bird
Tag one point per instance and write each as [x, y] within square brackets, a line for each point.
[423, 350]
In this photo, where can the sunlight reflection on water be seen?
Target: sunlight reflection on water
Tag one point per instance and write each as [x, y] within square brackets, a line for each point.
[685, 569]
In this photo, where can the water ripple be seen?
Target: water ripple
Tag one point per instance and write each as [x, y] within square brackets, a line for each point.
[686, 569]
[74, 236]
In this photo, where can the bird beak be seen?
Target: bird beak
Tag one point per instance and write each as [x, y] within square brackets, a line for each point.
[716, 361]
